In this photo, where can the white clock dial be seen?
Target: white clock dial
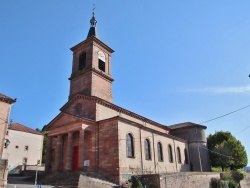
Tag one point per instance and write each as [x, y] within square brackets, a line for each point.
[101, 56]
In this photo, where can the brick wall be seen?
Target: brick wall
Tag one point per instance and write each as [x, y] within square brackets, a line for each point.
[108, 150]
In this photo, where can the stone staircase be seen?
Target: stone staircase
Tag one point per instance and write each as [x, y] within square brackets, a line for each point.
[91, 179]
[73, 180]
[60, 179]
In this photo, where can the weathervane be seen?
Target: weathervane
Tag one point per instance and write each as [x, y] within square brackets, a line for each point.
[93, 8]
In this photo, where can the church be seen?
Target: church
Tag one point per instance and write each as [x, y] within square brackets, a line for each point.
[92, 134]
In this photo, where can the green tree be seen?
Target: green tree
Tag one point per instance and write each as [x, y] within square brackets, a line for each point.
[228, 152]
[45, 135]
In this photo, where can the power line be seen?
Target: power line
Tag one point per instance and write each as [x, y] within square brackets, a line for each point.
[226, 114]
[242, 130]
[216, 152]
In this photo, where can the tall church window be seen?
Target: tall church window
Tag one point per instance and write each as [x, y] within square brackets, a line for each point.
[186, 156]
[101, 65]
[170, 154]
[130, 145]
[159, 149]
[147, 150]
[178, 155]
[82, 61]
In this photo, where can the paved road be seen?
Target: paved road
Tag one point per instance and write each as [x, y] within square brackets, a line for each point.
[19, 182]
[26, 186]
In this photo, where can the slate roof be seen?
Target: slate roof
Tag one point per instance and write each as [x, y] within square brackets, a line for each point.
[6, 99]
[92, 32]
[184, 125]
[22, 128]
[93, 29]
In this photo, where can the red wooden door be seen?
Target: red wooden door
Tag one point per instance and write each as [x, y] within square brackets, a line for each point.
[75, 158]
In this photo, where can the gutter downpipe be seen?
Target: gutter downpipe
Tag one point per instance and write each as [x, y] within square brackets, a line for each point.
[141, 153]
[154, 150]
[199, 157]
[175, 155]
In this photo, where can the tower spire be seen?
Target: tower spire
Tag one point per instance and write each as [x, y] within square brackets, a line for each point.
[93, 29]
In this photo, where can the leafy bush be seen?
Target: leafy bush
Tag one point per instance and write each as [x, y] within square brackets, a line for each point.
[239, 175]
[228, 177]
[216, 169]
[216, 183]
[232, 184]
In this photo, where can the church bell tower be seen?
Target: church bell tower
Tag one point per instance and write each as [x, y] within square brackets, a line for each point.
[91, 68]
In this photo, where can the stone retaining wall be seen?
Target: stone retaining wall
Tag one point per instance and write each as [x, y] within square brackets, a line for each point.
[246, 182]
[3, 172]
[179, 180]
[87, 182]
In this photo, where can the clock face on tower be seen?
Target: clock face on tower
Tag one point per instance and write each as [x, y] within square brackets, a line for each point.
[101, 56]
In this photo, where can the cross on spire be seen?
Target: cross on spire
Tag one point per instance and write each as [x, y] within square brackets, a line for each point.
[93, 21]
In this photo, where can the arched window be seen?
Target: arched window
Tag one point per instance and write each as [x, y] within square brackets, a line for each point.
[170, 154]
[159, 149]
[186, 156]
[147, 150]
[130, 145]
[178, 155]
[82, 61]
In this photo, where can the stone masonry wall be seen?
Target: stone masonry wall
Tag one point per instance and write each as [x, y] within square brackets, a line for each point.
[108, 151]
[179, 180]
[87, 182]
[5, 108]
[3, 172]
[246, 182]
[188, 181]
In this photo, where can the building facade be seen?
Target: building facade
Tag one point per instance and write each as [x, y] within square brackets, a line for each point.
[5, 107]
[93, 134]
[25, 146]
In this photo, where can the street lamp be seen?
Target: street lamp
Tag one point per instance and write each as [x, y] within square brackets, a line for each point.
[6, 143]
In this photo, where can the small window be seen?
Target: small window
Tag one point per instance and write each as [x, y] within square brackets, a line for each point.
[25, 161]
[17, 147]
[178, 155]
[170, 154]
[7, 132]
[26, 148]
[82, 61]
[160, 155]
[147, 150]
[186, 156]
[101, 65]
[130, 145]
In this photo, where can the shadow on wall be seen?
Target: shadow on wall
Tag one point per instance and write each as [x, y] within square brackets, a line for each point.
[185, 168]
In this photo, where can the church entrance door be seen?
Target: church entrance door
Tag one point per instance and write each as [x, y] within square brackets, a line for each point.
[75, 158]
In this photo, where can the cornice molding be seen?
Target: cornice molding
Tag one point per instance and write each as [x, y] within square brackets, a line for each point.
[97, 72]
[113, 107]
[143, 127]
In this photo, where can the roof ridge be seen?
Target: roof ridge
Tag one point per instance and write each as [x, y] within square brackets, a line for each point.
[23, 128]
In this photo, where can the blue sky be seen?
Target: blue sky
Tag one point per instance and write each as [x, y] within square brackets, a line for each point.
[174, 61]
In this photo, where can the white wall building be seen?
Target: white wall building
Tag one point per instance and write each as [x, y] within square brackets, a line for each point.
[25, 146]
